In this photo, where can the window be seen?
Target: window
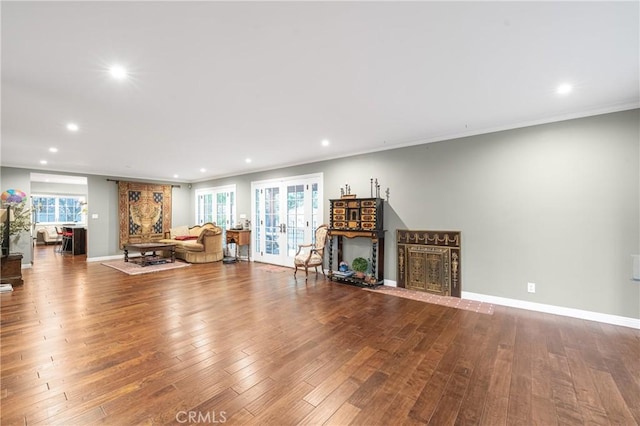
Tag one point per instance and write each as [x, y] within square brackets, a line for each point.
[59, 208]
[45, 209]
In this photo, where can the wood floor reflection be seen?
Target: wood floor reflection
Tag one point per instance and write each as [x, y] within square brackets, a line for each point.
[248, 344]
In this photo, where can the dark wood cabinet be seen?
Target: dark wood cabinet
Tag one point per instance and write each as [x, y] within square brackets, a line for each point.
[357, 218]
[74, 240]
[11, 272]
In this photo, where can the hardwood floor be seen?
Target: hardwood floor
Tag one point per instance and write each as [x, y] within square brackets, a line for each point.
[248, 344]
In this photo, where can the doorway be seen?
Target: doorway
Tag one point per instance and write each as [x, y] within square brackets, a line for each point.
[57, 200]
[285, 212]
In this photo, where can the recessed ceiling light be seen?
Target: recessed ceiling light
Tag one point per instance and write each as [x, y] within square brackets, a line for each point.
[325, 142]
[53, 149]
[118, 72]
[563, 89]
[202, 170]
[247, 160]
[72, 127]
[43, 161]
[175, 176]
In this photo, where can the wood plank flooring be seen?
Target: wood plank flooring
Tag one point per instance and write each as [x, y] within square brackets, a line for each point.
[248, 344]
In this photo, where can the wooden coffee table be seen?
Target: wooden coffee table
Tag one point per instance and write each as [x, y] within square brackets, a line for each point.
[149, 259]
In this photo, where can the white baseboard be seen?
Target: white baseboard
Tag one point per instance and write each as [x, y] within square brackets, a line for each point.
[549, 309]
[557, 310]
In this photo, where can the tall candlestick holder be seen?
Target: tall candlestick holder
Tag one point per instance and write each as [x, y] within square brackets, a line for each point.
[346, 192]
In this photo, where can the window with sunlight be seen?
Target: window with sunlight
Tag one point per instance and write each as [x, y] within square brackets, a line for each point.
[59, 209]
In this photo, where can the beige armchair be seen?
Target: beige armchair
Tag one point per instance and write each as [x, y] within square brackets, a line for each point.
[48, 235]
[312, 255]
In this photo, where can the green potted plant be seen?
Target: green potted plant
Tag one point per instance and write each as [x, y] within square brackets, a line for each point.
[18, 219]
[359, 265]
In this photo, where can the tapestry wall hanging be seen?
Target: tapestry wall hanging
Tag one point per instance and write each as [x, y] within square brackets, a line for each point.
[145, 212]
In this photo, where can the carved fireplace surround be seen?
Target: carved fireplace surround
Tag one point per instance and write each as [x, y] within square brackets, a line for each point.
[429, 261]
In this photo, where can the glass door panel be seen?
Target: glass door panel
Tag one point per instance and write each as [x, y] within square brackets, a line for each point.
[272, 228]
[204, 208]
[295, 218]
[268, 230]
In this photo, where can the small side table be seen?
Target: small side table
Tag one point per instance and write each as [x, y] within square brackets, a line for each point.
[240, 237]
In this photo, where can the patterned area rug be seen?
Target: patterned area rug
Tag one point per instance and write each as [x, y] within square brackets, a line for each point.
[135, 269]
[452, 302]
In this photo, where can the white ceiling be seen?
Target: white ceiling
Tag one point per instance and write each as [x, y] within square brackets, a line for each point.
[214, 83]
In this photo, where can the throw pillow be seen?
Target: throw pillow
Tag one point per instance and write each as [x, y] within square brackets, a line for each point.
[178, 230]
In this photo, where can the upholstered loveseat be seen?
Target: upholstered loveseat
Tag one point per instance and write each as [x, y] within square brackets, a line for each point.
[198, 244]
[47, 234]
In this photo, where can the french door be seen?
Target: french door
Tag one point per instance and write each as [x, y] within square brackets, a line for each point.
[285, 213]
[217, 205]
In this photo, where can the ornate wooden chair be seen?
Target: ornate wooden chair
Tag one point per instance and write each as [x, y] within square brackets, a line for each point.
[312, 255]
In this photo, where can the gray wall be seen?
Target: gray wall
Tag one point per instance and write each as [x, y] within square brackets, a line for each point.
[18, 179]
[556, 204]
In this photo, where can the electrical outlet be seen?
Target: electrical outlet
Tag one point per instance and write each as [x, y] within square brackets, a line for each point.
[531, 287]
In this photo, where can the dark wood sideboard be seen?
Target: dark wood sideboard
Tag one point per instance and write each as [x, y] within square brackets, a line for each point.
[11, 272]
